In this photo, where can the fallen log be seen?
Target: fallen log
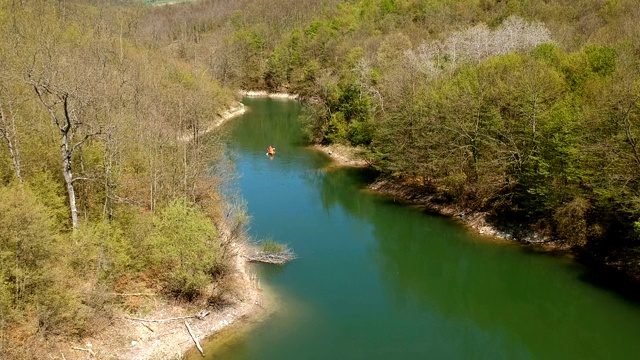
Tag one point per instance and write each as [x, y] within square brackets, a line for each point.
[194, 338]
[91, 353]
[134, 294]
[200, 315]
[147, 326]
[161, 320]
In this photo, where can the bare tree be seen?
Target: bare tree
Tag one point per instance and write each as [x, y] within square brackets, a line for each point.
[65, 116]
[476, 44]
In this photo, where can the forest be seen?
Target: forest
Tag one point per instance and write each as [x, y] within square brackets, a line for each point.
[106, 179]
[525, 109]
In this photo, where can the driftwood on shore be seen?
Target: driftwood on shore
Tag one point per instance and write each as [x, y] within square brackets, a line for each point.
[134, 294]
[91, 353]
[278, 258]
[201, 315]
[194, 338]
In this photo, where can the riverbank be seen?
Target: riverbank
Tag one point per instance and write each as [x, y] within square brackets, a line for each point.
[475, 220]
[235, 110]
[343, 155]
[262, 93]
[158, 330]
[479, 222]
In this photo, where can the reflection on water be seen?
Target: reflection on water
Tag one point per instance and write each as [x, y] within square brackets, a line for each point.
[378, 280]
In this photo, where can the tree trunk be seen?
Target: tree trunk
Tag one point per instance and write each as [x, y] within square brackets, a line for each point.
[107, 163]
[9, 133]
[68, 177]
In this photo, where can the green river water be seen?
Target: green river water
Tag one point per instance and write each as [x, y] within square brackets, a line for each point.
[376, 279]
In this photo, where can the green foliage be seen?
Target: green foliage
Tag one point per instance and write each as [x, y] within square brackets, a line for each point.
[250, 39]
[312, 30]
[278, 70]
[592, 61]
[249, 45]
[314, 119]
[354, 103]
[31, 277]
[28, 238]
[351, 118]
[601, 59]
[548, 53]
[183, 250]
[388, 6]
[272, 247]
[182, 78]
[361, 132]
[636, 230]
[338, 128]
[50, 193]
[103, 251]
[6, 301]
[6, 171]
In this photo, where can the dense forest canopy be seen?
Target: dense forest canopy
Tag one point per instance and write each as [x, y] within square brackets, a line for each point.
[524, 109]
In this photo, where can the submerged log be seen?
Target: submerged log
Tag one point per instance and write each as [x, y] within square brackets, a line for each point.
[272, 258]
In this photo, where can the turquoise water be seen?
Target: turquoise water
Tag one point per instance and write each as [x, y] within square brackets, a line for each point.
[380, 280]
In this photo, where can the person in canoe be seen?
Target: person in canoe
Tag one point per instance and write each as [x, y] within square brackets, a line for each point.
[271, 150]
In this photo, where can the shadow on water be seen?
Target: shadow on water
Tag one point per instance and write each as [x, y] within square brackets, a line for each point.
[611, 280]
[607, 278]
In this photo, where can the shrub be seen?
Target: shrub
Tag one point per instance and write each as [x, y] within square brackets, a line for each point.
[33, 269]
[183, 250]
[571, 223]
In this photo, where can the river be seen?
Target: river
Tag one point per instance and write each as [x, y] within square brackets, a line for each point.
[376, 279]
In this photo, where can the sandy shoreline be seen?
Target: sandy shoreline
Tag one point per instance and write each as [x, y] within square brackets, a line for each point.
[235, 110]
[262, 93]
[343, 155]
[132, 339]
